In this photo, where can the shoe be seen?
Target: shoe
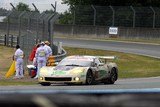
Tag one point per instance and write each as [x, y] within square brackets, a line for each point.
[36, 77]
[16, 77]
[21, 77]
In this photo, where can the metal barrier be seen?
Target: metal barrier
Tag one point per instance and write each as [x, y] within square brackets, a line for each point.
[12, 40]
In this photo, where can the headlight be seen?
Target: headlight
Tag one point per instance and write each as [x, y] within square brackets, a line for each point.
[76, 78]
[40, 78]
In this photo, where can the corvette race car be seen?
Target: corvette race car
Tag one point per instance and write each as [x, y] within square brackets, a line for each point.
[80, 70]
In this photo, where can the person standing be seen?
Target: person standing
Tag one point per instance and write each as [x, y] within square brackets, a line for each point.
[47, 46]
[41, 57]
[18, 57]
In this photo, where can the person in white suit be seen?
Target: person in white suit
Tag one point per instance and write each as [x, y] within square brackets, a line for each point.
[41, 57]
[18, 57]
[47, 46]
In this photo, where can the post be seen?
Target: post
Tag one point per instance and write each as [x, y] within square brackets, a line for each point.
[113, 16]
[134, 16]
[154, 16]
[5, 40]
[11, 41]
[35, 7]
[94, 21]
[54, 6]
[8, 28]
[19, 32]
[50, 24]
[13, 6]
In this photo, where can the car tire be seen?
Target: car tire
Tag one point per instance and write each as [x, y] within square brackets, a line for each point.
[112, 78]
[45, 84]
[89, 78]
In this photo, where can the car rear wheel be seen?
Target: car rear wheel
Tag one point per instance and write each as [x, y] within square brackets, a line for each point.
[45, 84]
[89, 78]
[112, 78]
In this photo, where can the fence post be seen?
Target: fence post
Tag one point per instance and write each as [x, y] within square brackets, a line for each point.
[8, 29]
[134, 16]
[94, 20]
[154, 16]
[74, 19]
[11, 41]
[5, 39]
[19, 32]
[113, 17]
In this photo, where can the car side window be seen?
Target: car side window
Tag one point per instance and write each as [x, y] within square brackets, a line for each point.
[97, 61]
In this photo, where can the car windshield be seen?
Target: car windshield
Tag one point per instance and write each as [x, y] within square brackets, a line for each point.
[75, 62]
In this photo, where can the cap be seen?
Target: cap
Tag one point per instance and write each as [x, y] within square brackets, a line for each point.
[42, 43]
[46, 42]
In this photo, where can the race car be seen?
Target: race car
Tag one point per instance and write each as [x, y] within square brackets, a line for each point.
[80, 69]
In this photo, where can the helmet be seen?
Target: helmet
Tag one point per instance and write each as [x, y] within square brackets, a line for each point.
[46, 42]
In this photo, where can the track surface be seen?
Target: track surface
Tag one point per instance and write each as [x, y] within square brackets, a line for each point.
[152, 50]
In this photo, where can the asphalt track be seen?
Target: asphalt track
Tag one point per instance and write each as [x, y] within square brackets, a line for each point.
[121, 86]
[152, 50]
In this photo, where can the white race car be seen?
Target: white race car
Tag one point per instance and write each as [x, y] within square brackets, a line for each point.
[80, 70]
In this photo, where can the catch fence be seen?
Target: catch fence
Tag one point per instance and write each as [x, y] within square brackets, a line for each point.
[120, 16]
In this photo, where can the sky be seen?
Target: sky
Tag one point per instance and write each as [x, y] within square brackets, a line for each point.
[40, 4]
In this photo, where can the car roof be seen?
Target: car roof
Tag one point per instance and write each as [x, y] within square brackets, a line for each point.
[87, 57]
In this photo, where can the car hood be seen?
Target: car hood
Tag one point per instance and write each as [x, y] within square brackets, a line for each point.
[64, 68]
[67, 70]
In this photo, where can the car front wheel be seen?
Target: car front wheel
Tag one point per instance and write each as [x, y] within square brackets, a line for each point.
[89, 78]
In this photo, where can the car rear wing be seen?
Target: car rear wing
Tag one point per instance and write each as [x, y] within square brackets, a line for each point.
[108, 57]
[105, 59]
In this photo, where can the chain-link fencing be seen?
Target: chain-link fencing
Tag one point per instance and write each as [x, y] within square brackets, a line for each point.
[121, 16]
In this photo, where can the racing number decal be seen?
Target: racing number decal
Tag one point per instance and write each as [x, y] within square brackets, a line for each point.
[58, 73]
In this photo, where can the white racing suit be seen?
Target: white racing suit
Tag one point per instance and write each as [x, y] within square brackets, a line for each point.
[18, 56]
[41, 57]
[48, 49]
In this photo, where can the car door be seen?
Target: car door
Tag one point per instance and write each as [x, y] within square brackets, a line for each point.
[102, 69]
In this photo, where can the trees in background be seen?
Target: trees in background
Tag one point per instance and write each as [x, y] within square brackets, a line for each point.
[113, 2]
[22, 7]
[69, 15]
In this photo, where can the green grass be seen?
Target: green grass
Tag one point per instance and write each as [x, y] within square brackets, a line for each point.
[26, 81]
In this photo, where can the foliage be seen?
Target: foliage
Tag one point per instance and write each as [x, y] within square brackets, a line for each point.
[49, 11]
[85, 16]
[22, 7]
[113, 2]
[66, 18]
